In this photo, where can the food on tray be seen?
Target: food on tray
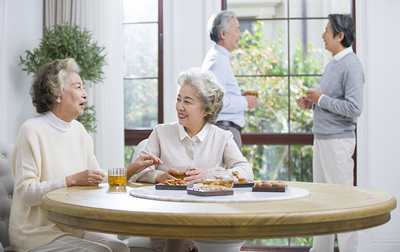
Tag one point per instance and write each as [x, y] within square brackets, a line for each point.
[174, 182]
[269, 184]
[228, 183]
[207, 188]
[236, 174]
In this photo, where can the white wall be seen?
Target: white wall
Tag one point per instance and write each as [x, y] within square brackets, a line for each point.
[378, 133]
[20, 30]
[185, 43]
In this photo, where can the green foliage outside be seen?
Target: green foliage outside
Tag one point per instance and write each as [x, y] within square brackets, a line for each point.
[70, 41]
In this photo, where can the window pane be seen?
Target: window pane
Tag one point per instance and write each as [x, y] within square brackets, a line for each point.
[318, 8]
[301, 241]
[271, 115]
[267, 242]
[129, 150]
[262, 9]
[269, 162]
[301, 163]
[141, 52]
[140, 101]
[263, 50]
[307, 49]
[140, 11]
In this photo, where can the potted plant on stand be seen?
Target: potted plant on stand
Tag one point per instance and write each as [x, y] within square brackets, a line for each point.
[70, 41]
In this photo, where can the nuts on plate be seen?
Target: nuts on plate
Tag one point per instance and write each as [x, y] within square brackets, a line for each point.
[269, 184]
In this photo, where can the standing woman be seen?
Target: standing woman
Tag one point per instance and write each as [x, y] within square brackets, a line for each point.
[55, 151]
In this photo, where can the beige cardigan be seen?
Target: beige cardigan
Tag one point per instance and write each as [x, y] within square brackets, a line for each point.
[210, 146]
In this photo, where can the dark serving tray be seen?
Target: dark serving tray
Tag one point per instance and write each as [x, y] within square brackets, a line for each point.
[245, 184]
[270, 189]
[170, 187]
[209, 193]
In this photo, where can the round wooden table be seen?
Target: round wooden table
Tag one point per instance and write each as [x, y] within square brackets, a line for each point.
[328, 209]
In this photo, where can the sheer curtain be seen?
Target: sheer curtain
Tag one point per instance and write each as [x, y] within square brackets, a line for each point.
[104, 19]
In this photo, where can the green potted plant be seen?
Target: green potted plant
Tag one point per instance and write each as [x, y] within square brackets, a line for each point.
[70, 41]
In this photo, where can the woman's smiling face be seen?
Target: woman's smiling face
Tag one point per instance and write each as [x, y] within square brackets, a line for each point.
[190, 111]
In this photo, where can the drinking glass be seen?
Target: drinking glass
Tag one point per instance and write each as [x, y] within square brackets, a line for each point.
[117, 178]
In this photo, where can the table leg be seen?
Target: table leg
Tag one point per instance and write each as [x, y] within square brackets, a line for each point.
[219, 246]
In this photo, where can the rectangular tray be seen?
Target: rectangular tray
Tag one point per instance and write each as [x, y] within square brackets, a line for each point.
[245, 184]
[170, 187]
[271, 189]
[209, 193]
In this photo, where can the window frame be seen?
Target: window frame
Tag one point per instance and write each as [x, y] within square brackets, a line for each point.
[134, 136]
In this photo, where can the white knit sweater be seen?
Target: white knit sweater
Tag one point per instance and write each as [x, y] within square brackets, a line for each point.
[41, 160]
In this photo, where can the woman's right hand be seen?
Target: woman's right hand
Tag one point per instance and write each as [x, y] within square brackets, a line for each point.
[85, 178]
[165, 176]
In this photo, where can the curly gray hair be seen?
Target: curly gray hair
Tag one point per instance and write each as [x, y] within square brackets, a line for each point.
[207, 90]
[49, 83]
[219, 22]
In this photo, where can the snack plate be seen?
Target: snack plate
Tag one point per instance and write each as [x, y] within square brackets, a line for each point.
[270, 189]
[208, 193]
[245, 184]
[170, 187]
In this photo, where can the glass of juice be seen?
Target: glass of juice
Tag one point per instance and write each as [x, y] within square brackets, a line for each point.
[251, 92]
[117, 178]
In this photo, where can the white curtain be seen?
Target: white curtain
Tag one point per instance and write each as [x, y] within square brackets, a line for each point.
[104, 18]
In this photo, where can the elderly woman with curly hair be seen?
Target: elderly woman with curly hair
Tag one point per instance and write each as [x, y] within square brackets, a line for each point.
[192, 141]
[55, 151]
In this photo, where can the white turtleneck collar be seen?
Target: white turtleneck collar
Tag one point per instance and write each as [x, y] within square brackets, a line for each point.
[54, 123]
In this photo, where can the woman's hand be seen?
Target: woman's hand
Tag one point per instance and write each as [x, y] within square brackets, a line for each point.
[196, 175]
[141, 163]
[85, 178]
[165, 176]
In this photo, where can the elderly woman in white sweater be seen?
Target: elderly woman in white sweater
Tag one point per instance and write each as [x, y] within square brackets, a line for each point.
[193, 141]
[54, 151]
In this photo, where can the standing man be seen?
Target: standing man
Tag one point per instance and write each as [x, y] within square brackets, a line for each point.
[224, 31]
[336, 108]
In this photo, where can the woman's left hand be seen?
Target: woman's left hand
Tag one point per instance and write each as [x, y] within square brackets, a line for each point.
[141, 163]
[196, 175]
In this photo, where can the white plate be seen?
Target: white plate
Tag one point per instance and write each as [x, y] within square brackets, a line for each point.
[239, 195]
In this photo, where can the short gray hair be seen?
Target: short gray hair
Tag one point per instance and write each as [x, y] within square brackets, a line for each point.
[219, 22]
[207, 90]
[49, 83]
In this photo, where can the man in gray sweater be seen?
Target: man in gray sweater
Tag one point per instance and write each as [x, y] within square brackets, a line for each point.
[336, 107]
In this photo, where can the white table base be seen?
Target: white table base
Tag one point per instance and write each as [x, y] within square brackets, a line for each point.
[219, 246]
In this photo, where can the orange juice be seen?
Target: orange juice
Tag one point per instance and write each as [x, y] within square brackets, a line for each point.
[117, 177]
[117, 181]
[251, 92]
[180, 175]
